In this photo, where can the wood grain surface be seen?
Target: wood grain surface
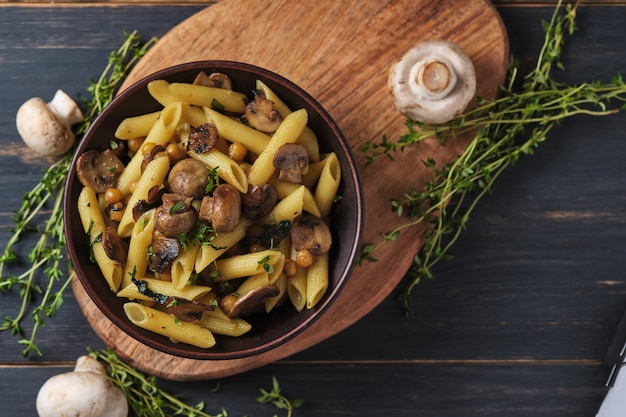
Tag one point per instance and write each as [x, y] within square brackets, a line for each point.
[340, 52]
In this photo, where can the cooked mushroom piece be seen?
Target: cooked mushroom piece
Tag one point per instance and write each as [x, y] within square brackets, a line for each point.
[311, 233]
[203, 138]
[248, 303]
[98, 170]
[156, 152]
[176, 216]
[292, 160]
[226, 208]
[433, 82]
[155, 196]
[259, 201]
[114, 246]
[163, 252]
[188, 177]
[215, 79]
[260, 114]
[187, 310]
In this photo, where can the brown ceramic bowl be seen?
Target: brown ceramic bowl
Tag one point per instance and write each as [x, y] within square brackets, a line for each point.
[268, 330]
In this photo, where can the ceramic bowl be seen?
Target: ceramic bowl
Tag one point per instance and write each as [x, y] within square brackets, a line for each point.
[268, 330]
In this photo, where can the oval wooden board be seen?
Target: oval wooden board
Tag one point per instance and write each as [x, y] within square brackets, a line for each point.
[340, 52]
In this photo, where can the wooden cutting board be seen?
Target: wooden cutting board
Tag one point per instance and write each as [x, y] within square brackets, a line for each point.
[340, 52]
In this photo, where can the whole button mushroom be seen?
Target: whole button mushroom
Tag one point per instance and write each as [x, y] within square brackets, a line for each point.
[85, 392]
[189, 177]
[47, 127]
[226, 208]
[433, 82]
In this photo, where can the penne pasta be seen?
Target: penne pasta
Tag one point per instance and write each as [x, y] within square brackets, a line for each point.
[166, 325]
[140, 241]
[288, 131]
[328, 184]
[203, 96]
[234, 131]
[316, 280]
[137, 126]
[227, 169]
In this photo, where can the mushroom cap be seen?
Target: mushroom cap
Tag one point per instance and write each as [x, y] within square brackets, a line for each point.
[81, 394]
[226, 208]
[433, 82]
[41, 130]
[189, 177]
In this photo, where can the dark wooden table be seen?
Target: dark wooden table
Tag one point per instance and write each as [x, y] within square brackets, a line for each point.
[516, 325]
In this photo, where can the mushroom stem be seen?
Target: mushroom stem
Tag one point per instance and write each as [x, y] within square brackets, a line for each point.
[65, 109]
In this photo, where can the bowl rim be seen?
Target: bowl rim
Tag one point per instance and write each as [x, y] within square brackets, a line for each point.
[351, 175]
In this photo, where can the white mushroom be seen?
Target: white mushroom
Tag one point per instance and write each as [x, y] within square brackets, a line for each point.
[85, 392]
[433, 82]
[47, 127]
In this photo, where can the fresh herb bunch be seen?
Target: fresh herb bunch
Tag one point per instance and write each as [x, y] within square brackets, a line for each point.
[504, 129]
[146, 398]
[41, 212]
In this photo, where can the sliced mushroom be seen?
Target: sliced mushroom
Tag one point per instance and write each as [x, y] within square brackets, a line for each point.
[155, 196]
[292, 160]
[311, 233]
[156, 152]
[248, 303]
[260, 114]
[176, 216]
[114, 246]
[215, 79]
[189, 177]
[226, 208]
[203, 138]
[259, 201]
[187, 310]
[98, 170]
[163, 252]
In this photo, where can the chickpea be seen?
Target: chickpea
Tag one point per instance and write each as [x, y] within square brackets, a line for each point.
[112, 195]
[228, 302]
[237, 151]
[135, 144]
[116, 211]
[304, 258]
[290, 268]
[175, 152]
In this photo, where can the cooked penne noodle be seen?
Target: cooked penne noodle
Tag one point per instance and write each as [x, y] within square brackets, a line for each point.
[219, 323]
[140, 241]
[273, 302]
[328, 184]
[296, 191]
[153, 176]
[188, 292]
[296, 289]
[316, 280]
[308, 138]
[203, 96]
[234, 131]
[160, 91]
[166, 325]
[288, 131]
[227, 169]
[293, 205]
[160, 134]
[137, 126]
[93, 225]
[184, 265]
[224, 241]
[239, 266]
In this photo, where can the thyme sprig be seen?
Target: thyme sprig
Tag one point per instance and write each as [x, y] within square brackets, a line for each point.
[41, 212]
[503, 129]
[146, 398]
